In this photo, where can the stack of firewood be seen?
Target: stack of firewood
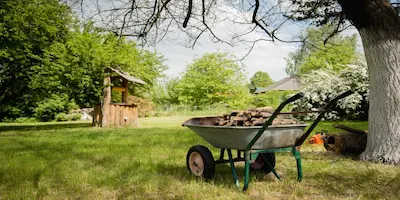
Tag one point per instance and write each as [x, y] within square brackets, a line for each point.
[252, 117]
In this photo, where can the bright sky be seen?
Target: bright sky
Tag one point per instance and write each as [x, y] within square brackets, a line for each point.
[266, 56]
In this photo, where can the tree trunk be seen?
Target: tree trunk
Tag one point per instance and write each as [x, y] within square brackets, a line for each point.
[379, 27]
[105, 109]
[383, 58]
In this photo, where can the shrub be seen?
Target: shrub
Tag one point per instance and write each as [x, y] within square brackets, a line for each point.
[320, 86]
[145, 106]
[61, 117]
[74, 116]
[47, 109]
[271, 98]
[25, 120]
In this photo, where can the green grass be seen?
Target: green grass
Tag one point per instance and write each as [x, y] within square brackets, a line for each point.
[74, 161]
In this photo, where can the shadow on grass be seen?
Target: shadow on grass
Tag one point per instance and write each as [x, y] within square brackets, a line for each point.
[44, 126]
[222, 176]
[374, 185]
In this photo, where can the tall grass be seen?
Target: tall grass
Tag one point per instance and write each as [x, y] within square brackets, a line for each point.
[73, 161]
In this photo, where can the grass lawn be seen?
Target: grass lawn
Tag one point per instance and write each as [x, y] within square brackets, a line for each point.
[76, 161]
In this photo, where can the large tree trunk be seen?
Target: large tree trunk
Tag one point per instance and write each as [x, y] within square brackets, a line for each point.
[379, 27]
[383, 58]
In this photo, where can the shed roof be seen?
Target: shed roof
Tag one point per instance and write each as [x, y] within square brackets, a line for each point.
[288, 83]
[127, 76]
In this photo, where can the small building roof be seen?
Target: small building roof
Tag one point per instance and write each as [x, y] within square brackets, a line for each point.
[127, 76]
[288, 83]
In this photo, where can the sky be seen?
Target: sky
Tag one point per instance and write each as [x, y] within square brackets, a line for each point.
[265, 56]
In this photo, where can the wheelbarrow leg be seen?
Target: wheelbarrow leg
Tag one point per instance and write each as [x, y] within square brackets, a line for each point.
[247, 163]
[296, 154]
[233, 169]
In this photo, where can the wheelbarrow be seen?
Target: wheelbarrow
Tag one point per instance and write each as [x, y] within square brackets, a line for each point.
[255, 145]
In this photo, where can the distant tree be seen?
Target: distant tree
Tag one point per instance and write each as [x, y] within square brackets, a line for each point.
[165, 92]
[27, 29]
[260, 79]
[316, 53]
[213, 78]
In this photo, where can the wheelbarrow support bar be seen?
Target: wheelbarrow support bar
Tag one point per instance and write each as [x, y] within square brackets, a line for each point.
[321, 115]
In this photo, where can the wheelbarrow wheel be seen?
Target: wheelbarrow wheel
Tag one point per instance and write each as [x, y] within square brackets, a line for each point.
[260, 166]
[200, 162]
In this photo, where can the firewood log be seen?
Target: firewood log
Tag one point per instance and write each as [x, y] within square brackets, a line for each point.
[352, 141]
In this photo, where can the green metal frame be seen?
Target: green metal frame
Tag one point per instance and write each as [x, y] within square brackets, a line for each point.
[250, 154]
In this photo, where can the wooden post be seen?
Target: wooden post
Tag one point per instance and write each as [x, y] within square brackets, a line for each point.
[125, 93]
[105, 110]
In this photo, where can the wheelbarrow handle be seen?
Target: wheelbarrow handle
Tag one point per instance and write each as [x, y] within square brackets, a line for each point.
[273, 116]
[326, 109]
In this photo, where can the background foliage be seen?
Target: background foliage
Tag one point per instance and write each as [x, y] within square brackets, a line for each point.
[50, 63]
[317, 53]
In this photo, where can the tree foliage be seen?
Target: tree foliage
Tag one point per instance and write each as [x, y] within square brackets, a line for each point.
[316, 53]
[213, 78]
[27, 29]
[260, 79]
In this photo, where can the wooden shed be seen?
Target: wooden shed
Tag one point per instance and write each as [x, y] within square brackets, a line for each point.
[108, 114]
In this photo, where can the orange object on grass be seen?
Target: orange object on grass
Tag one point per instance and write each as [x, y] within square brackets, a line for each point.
[316, 139]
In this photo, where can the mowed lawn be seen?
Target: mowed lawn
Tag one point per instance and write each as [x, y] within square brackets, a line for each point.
[76, 161]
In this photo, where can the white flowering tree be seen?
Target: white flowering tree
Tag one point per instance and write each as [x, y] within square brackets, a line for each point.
[323, 85]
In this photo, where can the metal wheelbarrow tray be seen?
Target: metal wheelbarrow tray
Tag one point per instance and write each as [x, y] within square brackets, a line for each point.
[257, 144]
[237, 137]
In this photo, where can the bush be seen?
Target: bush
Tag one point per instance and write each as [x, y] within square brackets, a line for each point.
[271, 98]
[61, 117]
[25, 120]
[47, 109]
[321, 86]
[145, 106]
[75, 116]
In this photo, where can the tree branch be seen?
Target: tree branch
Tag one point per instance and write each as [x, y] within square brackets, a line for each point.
[188, 14]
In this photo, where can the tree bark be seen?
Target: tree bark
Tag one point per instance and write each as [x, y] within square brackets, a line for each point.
[105, 109]
[379, 27]
[383, 58]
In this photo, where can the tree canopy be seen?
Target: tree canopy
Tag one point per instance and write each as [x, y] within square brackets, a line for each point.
[316, 53]
[213, 78]
[27, 29]
[260, 79]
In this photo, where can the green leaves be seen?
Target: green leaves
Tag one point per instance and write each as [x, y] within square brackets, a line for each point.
[334, 55]
[260, 79]
[213, 78]
[27, 29]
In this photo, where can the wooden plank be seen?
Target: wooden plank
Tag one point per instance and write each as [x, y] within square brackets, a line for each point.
[127, 110]
[118, 89]
[112, 115]
[121, 116]
[117, 108]
[135, 116]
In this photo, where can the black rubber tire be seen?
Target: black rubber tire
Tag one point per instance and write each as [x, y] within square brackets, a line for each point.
[208, 160]
[264, 169]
